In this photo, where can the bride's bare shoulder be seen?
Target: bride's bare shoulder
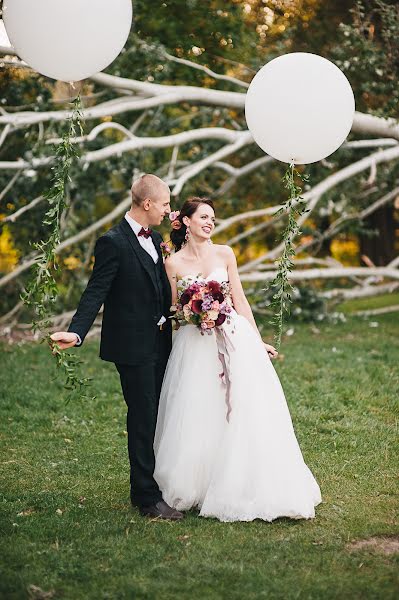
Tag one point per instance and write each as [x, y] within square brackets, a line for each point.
[224, 251]
[172, 262]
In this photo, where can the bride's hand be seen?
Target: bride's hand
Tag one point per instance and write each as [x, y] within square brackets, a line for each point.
[271, 350]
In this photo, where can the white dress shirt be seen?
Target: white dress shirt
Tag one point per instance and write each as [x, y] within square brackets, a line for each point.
[144, 242]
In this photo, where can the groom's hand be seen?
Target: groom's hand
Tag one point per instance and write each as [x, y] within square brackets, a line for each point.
[64, 339]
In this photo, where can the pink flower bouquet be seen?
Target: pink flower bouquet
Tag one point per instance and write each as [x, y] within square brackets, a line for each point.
[205, 304]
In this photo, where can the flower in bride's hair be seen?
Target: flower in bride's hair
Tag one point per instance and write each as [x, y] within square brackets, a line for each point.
[173, 216]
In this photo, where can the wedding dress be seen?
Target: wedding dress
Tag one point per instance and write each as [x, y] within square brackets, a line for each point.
[244, 467]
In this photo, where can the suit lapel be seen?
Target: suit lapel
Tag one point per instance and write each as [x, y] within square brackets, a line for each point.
[140, 253]
[157, 247]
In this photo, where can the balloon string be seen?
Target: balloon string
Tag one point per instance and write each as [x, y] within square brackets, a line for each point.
[293, 208]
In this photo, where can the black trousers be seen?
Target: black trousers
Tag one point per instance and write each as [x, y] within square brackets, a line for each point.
[141, 386]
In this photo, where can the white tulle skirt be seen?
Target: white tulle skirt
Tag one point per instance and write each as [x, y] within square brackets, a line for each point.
[249, 467]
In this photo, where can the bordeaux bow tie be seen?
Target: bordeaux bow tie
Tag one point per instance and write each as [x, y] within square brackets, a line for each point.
[145, 232]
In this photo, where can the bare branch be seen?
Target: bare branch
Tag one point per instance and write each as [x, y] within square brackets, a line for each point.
[313, 195]
[361, 291]
[14, 216]
[9, 185]
[332, 273]
[193, 65]
[178, 139]
[113, 214]
[244, 139]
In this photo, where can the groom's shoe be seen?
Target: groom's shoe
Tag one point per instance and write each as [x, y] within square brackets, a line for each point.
[161, 510]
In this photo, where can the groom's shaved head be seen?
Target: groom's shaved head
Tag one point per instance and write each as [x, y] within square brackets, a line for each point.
[147, 186]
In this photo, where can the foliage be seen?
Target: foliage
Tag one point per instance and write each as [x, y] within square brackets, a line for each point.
[294, 207]
[305, 25]
[9, 255]
[369, 54]
[41, 292]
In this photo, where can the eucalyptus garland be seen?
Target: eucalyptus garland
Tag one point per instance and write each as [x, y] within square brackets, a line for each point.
[293, 208]
[41, 292]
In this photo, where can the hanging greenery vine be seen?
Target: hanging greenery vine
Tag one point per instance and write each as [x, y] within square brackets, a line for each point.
[293, 208]
[41, 292]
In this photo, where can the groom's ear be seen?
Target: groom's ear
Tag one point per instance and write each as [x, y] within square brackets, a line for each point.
[146, 204]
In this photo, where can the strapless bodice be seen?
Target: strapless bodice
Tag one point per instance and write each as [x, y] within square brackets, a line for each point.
[219, 274]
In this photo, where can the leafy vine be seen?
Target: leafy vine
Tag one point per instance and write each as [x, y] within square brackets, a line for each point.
[41, 291]
[294, 207]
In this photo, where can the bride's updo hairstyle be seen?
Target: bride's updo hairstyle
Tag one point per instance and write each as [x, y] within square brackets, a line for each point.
[178, 233]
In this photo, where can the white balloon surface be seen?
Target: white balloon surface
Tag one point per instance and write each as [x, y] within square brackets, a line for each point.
[299, 108]
[68, 40]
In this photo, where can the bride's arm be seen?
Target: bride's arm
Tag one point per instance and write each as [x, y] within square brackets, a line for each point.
[171, 273]
[241, 304]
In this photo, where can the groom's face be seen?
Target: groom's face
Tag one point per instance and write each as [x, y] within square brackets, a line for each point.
[159, 207]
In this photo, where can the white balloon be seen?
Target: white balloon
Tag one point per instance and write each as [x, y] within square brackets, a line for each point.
[68, 39]
[299, 108]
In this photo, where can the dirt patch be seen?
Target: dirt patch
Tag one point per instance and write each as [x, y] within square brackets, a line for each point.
[383, 544]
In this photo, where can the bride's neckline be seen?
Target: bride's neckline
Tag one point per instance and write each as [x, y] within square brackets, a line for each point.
[179, 277]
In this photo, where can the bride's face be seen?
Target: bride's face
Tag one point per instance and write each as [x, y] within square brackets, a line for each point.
[202, 222]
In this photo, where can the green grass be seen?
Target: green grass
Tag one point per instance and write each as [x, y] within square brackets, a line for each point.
[341, 385]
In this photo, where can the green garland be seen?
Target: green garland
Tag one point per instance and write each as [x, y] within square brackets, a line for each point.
[41, 292]
[294, 208]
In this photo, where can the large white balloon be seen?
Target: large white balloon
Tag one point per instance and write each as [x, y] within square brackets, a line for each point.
[299, 108]
[68, 39]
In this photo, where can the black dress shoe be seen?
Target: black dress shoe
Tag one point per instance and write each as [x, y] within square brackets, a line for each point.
[161, 510]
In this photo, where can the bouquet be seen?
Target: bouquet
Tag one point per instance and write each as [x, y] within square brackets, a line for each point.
[205, 304]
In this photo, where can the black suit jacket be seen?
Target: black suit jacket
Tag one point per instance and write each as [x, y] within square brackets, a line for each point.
[123, 280]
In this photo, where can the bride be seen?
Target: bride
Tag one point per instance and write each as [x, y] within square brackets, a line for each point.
[232, 455]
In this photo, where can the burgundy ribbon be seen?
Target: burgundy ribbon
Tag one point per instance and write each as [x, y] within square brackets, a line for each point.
[225, 345]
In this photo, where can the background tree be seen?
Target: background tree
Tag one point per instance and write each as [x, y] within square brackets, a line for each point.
[172, 104]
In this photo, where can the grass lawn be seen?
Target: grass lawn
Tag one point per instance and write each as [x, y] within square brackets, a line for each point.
[67, 528]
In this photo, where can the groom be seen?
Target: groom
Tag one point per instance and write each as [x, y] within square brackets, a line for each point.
[129, 279]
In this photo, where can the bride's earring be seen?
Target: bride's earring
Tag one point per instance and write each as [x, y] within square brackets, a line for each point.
[187, 236]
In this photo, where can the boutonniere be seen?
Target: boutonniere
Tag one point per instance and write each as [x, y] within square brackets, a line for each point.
[166, 250]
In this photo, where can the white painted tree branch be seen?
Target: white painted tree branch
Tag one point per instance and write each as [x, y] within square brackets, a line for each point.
[178, 139]
[109, 217]
[193, 65]
[14, 216]
[244, 139]
[329, 273]
[9, 185]
[383, 310]
[313, 195]
[361, 291]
